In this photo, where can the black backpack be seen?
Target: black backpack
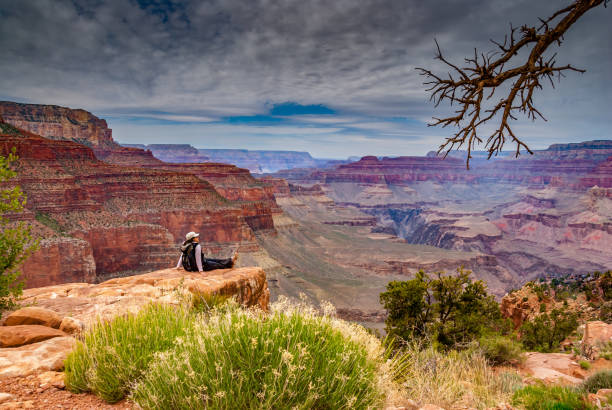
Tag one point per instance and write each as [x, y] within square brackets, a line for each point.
[189, 258]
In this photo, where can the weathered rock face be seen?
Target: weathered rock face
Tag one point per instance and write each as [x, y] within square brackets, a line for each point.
[83, 127]
[65, 259]
[235, 184]
[57, 122]
[596, 333]
[85, 302]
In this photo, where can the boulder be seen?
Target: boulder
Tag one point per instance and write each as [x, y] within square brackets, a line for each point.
[15, 336]
[4, 397]
[71, 325]
[52, 378]
[596, 333]
[33, 316]
[37, 357]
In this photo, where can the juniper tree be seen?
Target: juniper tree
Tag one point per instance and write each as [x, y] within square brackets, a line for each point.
[16, 242]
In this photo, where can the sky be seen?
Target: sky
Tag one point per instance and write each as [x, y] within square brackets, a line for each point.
[336, 78]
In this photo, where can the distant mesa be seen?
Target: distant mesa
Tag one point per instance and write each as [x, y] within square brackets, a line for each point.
[256, 161]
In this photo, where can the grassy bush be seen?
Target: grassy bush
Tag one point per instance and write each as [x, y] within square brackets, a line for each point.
[600, 380]
[449, 378]
[114, 354]
[241, 359]
[585, 365]
[501, 349]
[551, 398]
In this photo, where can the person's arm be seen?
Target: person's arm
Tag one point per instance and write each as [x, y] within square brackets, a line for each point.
[180, 262]
[198, 252]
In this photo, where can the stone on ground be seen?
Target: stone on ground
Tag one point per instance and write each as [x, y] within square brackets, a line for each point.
[33, 316]
[71, 325]
[4, 397]
[15, 336]
[42, 356]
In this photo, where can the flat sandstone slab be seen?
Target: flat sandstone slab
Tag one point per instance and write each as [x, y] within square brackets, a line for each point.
[89, 302]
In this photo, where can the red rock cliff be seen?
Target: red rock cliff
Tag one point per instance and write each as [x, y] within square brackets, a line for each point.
[126, 218]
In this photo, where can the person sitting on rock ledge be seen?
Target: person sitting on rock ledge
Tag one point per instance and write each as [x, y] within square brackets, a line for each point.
[192, 259]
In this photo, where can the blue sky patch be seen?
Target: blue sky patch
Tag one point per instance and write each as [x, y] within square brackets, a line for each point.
[293, 108]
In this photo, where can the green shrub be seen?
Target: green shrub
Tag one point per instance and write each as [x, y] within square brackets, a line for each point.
[451, 310]
[243, 359]
[114, 354]
[542, 397]
[585, 365]
[16, 240]
[500, 349]
[600, 380]
[545, 332]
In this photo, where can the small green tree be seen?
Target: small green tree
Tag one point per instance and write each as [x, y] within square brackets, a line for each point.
[16, 242]
[450, 310]
[546, 332]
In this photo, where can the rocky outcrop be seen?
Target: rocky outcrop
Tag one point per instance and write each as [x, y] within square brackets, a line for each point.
[57, 122]
[85, 302]
[600, 177]
[38, 347]
[596, 333]
[66, 259]
[580, 294]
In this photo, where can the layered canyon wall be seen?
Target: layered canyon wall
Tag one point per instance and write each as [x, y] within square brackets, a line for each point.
[128, 211]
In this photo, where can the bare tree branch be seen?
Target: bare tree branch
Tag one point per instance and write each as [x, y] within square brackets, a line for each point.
[468, 86]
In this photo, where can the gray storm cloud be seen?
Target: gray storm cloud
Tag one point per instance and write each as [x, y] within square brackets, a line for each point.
[212, 59]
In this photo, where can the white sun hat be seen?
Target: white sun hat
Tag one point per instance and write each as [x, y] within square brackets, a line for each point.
[191, 235]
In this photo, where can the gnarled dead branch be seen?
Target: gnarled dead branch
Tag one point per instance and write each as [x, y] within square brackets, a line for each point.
[472, 87]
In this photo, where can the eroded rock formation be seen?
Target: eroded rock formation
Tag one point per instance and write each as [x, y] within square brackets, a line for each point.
[30, 342]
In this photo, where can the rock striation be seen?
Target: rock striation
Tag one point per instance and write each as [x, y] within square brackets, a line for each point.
[174, 153]
[99, 219]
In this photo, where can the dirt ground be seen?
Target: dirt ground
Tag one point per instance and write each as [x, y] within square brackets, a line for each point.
[30, 393]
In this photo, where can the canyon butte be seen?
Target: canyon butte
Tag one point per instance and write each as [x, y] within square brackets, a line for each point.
[332, 231]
